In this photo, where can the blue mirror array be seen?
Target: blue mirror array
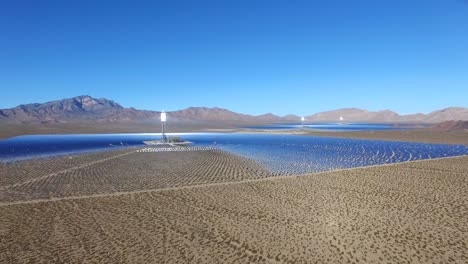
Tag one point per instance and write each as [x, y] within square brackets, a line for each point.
[282, 154]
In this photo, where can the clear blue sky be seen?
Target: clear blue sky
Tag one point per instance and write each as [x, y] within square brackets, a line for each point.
[253, 57]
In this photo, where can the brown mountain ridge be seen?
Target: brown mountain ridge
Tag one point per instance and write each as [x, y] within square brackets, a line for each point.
[87, 108]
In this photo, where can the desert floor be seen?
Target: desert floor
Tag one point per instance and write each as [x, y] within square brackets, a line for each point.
[212, 207]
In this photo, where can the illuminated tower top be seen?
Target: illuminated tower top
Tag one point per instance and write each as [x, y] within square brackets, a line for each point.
[163, 126]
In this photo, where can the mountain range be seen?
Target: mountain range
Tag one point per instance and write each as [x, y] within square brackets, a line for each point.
[388, 116]
[86, 108]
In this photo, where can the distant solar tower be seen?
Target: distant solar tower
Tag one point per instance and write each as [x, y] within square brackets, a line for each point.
[302, 121]
[163, 126]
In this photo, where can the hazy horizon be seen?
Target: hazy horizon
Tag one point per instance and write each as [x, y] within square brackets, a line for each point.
[251, 57]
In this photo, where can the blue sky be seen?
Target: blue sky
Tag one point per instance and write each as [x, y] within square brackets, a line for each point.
[298, 57]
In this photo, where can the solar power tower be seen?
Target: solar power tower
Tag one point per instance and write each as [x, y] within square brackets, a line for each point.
[163, 126]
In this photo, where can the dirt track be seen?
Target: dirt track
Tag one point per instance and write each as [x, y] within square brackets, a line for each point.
[413, 212]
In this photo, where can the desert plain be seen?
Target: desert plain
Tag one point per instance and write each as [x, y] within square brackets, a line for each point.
[209, 206]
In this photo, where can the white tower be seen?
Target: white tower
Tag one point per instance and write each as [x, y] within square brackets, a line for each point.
[163, 126]
[302, 121]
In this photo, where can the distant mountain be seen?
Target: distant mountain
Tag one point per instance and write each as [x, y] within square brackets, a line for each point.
[355, 115]
[452, 113]
[79, 108]
[347, 114]
[210, 114]
[451, 126]
[85, 108]
[387, 116]
[292, 117]
[217, 114]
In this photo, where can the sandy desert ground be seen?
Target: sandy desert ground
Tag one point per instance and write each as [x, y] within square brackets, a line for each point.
[414, 212]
